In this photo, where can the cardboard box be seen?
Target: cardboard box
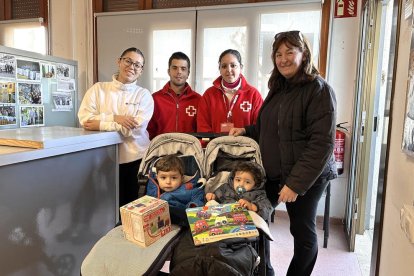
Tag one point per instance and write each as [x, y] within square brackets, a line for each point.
[145, 220]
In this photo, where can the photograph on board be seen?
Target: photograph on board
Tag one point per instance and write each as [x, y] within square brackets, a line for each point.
[7, 114]
[28, 70]
[62, 102]
[65, 71]
[7, 92]
[30, 93]
[7, 66]
[48, 71]
[31, 116]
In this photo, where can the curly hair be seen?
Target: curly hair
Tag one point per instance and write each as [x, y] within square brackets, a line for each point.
[250, 167]
[170, 163]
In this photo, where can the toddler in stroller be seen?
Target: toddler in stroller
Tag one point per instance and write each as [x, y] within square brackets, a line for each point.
[222, 158]
[245, 186]
[171, 185]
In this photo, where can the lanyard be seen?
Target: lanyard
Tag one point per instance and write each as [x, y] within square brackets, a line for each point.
[233, 102]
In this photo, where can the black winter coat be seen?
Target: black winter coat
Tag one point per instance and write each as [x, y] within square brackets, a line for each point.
[306, 126]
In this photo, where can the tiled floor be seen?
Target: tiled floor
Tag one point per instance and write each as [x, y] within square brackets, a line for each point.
[363, 249]
[334, 260]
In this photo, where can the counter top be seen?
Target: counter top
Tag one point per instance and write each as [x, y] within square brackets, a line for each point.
[25, 144]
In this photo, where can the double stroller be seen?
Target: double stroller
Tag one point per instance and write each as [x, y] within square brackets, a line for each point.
[206, 169]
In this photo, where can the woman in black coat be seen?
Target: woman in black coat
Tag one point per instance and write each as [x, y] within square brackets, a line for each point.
[296, 131]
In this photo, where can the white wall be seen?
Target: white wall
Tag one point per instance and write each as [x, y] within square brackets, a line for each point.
[397, 253]
[341, 75]
[71, 37]
[70, 31]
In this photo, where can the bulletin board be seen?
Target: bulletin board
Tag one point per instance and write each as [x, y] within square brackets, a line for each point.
[36, 90]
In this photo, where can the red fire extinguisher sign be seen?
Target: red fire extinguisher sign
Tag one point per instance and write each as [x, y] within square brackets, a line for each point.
[345, 8]
[339, 149]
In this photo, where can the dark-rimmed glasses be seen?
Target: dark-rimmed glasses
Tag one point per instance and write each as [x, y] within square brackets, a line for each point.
[128, 62]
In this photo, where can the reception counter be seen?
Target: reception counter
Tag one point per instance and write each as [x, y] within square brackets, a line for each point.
[57, 199]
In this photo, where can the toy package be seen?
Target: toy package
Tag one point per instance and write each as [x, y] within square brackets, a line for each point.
[145, 220]
[218, 222]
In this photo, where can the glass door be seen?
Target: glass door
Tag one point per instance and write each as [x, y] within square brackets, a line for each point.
[374, 83]
[358, 143]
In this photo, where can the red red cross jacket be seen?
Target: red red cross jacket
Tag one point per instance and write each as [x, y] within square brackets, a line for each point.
[214, 107]
[174, 113]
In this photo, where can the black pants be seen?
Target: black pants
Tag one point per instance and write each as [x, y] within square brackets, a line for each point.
[302, 216]
[128, 182]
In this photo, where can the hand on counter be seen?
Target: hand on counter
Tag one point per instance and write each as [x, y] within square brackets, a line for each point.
[91, 125]
[125, 121]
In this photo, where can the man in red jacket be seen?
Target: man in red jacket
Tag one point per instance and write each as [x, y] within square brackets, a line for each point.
[176, 104]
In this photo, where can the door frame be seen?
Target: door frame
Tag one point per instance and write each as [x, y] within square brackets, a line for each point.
[372, 16]
[357, 143]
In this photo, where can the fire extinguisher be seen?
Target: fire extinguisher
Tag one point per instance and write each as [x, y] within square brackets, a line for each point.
[339, 149]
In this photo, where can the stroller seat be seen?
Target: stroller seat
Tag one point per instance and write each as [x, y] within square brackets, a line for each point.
[114, 255]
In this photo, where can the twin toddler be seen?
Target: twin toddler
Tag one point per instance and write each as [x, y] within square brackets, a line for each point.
[245, 185]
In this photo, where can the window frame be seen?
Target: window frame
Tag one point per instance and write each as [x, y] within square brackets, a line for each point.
[6, 16]
[98, 5]
[7, 7]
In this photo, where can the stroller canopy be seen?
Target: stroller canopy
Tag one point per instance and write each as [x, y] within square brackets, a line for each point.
[181, 144]
[222, 153]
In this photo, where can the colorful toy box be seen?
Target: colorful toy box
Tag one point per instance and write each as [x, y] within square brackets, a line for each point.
[218, 222]
[145, 220]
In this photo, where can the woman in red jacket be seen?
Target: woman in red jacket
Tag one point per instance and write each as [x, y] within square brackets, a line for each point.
[231, 101]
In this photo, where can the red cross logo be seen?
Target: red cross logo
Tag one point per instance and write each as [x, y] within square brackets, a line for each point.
[246, 106]
[191, 111]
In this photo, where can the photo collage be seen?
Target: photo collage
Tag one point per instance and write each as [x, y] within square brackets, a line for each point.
[24, 90]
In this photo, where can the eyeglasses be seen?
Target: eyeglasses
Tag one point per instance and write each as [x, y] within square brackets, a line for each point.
[296, 34]
[128, 62]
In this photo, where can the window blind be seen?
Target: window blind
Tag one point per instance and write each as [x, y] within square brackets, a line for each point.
[22, 9]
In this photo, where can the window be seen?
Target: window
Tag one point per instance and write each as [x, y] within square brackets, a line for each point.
[271, 23]
[164, 44]
[203, 33]
[26, 35]
[229, 37]
[23, 25]
[156, 33]
[250, 29]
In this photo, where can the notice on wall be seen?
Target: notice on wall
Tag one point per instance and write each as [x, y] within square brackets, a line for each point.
[345, 8]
